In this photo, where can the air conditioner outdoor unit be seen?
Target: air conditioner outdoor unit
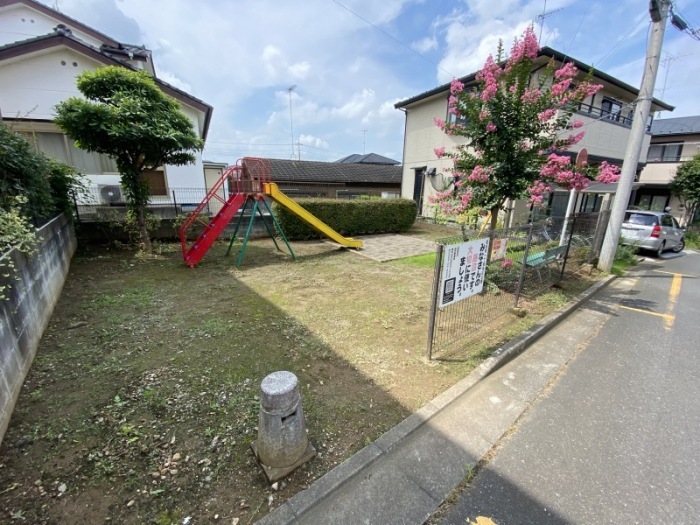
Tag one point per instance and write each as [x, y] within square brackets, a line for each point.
[111, 194]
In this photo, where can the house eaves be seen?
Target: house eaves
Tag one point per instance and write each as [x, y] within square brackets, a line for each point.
[63, 37]
[544, 52]
[32, 4]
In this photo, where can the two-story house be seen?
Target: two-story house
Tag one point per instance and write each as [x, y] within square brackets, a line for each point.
[673, 140]
[606, 117]
[42, 51]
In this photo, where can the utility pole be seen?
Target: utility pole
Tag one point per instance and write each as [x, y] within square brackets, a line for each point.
[658, 9]
[291, 118]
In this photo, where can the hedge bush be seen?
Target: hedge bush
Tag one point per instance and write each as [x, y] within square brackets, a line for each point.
[349, 217]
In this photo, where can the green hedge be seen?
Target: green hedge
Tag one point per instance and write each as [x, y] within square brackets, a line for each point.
[349, 218]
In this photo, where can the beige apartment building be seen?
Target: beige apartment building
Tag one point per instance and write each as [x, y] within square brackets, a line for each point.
[607, 118]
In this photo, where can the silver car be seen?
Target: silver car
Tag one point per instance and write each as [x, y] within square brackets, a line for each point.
[657, 231]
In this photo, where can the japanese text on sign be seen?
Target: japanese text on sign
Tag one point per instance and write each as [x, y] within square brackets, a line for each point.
[463, 270]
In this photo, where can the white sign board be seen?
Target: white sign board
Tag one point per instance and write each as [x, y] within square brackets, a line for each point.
[463, 270]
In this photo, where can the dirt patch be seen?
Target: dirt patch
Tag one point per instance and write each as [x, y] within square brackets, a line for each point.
[143, 399]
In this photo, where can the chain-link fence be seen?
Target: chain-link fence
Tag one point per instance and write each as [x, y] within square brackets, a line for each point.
[520, 262]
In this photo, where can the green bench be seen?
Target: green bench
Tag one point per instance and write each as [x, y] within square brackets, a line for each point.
[540, 260]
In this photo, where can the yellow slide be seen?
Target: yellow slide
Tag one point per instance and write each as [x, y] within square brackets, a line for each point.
[272, 190]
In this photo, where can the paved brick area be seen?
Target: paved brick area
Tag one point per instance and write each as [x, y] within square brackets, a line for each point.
[388, 247]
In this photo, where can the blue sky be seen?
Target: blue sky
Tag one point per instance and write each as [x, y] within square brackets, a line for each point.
[351, 60]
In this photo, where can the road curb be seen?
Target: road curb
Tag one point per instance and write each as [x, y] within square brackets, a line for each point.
[296, 506]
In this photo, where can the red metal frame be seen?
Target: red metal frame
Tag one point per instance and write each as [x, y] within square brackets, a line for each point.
[246, 178]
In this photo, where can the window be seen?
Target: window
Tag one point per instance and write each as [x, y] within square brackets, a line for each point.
[156, 182]
[665, 152]
[667, 220]
[58, 146]
[611, 108]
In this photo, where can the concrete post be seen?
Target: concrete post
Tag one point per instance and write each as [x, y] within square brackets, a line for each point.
[282, 445]
[634, 146]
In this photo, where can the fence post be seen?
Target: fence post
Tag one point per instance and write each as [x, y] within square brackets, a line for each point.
[433, 305]
[523, 266]
[174, 203]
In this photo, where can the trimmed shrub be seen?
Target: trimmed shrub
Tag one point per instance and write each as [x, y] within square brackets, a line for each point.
[353, 217]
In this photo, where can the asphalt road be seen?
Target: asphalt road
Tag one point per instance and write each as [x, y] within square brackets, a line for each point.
[616, 439]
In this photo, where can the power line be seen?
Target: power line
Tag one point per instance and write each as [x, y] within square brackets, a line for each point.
[394, 38]
[641, 19]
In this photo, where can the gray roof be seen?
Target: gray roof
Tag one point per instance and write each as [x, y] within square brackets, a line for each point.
[312, 171]
[676, 126]
[544, 52]
[369, 158]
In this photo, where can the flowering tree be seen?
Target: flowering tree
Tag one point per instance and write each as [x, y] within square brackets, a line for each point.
[517, 127]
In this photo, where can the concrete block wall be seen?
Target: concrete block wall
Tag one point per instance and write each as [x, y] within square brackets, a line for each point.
[31, 298]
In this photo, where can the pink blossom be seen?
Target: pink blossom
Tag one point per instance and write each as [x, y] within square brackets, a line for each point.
[439, 152]
[527, 48]
[608, 173]
[439, 123]
[530, 96]
[479, 174]
[576, 124]
[456, 86]
[483, 115]
[507, 263]
[546, 115]
[586, 89]
[560, 88]
[555, 164]
[490, 127]
[575, 139]
[568, 70]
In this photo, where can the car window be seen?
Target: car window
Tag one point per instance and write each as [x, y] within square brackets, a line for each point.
[641, 219]
[667, 220]
[675, 223]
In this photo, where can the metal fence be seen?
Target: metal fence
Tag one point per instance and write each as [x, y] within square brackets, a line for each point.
[521, 262]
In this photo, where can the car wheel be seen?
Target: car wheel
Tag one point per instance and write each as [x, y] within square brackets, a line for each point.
[661, 249]
[679, 247]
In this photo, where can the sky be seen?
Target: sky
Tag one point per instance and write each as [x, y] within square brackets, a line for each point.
[350, 61]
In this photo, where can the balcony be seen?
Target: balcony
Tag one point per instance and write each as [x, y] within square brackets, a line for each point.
[614, 116]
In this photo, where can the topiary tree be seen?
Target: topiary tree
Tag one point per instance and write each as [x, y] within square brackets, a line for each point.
[127, 116]
[686, 186]
[516, 128]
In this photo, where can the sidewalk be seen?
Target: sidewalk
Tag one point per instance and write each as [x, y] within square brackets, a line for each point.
[407, 473]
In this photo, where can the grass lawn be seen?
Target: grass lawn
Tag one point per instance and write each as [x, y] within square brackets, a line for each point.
[143, 399]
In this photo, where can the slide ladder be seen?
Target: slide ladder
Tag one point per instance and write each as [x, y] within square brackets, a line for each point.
[273, 191]
[229, 207]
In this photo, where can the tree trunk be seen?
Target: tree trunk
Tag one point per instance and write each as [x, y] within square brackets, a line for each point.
[494, 217]
[143, 230]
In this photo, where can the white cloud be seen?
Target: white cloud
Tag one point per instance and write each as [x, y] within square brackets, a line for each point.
[355, 106]
[173, 80]
[425, 44]
[310, 140]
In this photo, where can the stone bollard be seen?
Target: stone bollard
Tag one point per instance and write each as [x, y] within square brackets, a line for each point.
[282, 445]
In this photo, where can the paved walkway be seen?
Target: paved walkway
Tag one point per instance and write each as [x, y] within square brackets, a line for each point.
[402, 477]
[388, 247]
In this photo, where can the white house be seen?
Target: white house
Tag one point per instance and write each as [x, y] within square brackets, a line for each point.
[41, 53]
[673, 141]
[606, 117]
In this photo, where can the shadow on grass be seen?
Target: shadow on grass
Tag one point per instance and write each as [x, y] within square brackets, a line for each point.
[143, 399]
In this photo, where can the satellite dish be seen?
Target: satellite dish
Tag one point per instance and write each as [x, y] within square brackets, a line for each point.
[439, 181]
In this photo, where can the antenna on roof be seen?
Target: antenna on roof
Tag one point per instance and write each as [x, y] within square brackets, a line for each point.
[364, 137]
[666, 63]
[540, 18]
